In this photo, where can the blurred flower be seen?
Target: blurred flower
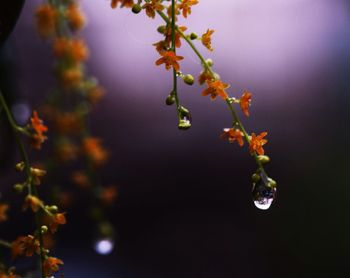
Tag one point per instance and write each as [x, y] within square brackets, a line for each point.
[95, 94]
[71, 77]
[73, 49]
[76, 19]
[67, 123]
[216, 88]
[56, 220]
[46, 17]
[185, 6]
[233, 135]
[206, 39]
[25, 246]
[152, 7]
[170, 59]
[33, 202]
[109, 194]
[94, 150]
[66, 151]
[3, 212]
[81, 179]
[256, 143]
[124, 3]
[245, 101]
[51, 265]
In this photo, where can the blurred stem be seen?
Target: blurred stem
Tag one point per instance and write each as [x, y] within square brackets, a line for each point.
[5, 243]
[207, 67]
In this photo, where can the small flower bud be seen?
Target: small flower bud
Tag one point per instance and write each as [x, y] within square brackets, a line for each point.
[188, 79]
[210, 62]
[20, 166]
[43, 229]
[161, 29]
[170, 100]
[263, 158]
[52, 209]
[136, 8]
[18, 188]
[272, 183]
[193, 36]
[255, 177]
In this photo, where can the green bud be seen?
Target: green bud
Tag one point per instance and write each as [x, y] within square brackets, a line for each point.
[161, 29]
[20, 166]
[52, 209]
[193, 36]
[255, 177]
[170, 100]
[188, 79]
[209, 62]
[18, 188]
[136, 8]
[263, 158]
[43, 229]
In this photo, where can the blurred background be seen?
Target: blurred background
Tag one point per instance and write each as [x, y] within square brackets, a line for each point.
[185, 206]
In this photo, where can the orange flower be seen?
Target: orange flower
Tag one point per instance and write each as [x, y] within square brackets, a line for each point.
[185, 6]
[75, 17]
[72, 77]
[245, 101]
[46, 18]
[25, 246]
[56, 220]
[67, 123]
[37, 124]
[170, 59]
[216, 88]
[81, 179]
[33, 202]
[95, 94]
[152, 7]
[94, 150]
[3, 212]
[37, 174]
[206, 39]
[161, 46]
[9, 274]
[168, 35]
[124, 3]
[204, 76]
[109, 194]
[233, 135]
[73, 49]
[256, 143]
[51, 265]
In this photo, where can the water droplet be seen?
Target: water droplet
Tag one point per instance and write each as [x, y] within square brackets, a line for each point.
[104, 246]
[263, 193]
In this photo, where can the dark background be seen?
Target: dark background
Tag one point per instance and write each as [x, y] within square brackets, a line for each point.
[185, 207]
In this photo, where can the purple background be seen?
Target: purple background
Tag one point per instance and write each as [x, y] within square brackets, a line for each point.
[185, 208]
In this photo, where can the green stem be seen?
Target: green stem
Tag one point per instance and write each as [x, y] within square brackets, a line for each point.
[208, 68]
[5, 243]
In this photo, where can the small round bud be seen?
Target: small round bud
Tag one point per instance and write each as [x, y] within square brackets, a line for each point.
[170, 100]
[255, 177]
[18, 188]
[193, 36]
[272, 183]
[209, 62]
[53, 209]
[136, 8]
[20, 166]
[188, 79]
[43, 229]
[263, 158]
[161, 29]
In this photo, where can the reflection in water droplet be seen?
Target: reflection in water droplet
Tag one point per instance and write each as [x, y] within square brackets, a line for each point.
[263, 193]
[104, 246]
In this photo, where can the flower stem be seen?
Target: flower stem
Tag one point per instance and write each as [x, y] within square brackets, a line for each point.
[5, 243]
[208, 68]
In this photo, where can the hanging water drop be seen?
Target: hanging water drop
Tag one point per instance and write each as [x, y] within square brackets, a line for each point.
[264, 192]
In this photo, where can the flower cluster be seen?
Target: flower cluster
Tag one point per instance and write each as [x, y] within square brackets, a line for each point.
[215, 87]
